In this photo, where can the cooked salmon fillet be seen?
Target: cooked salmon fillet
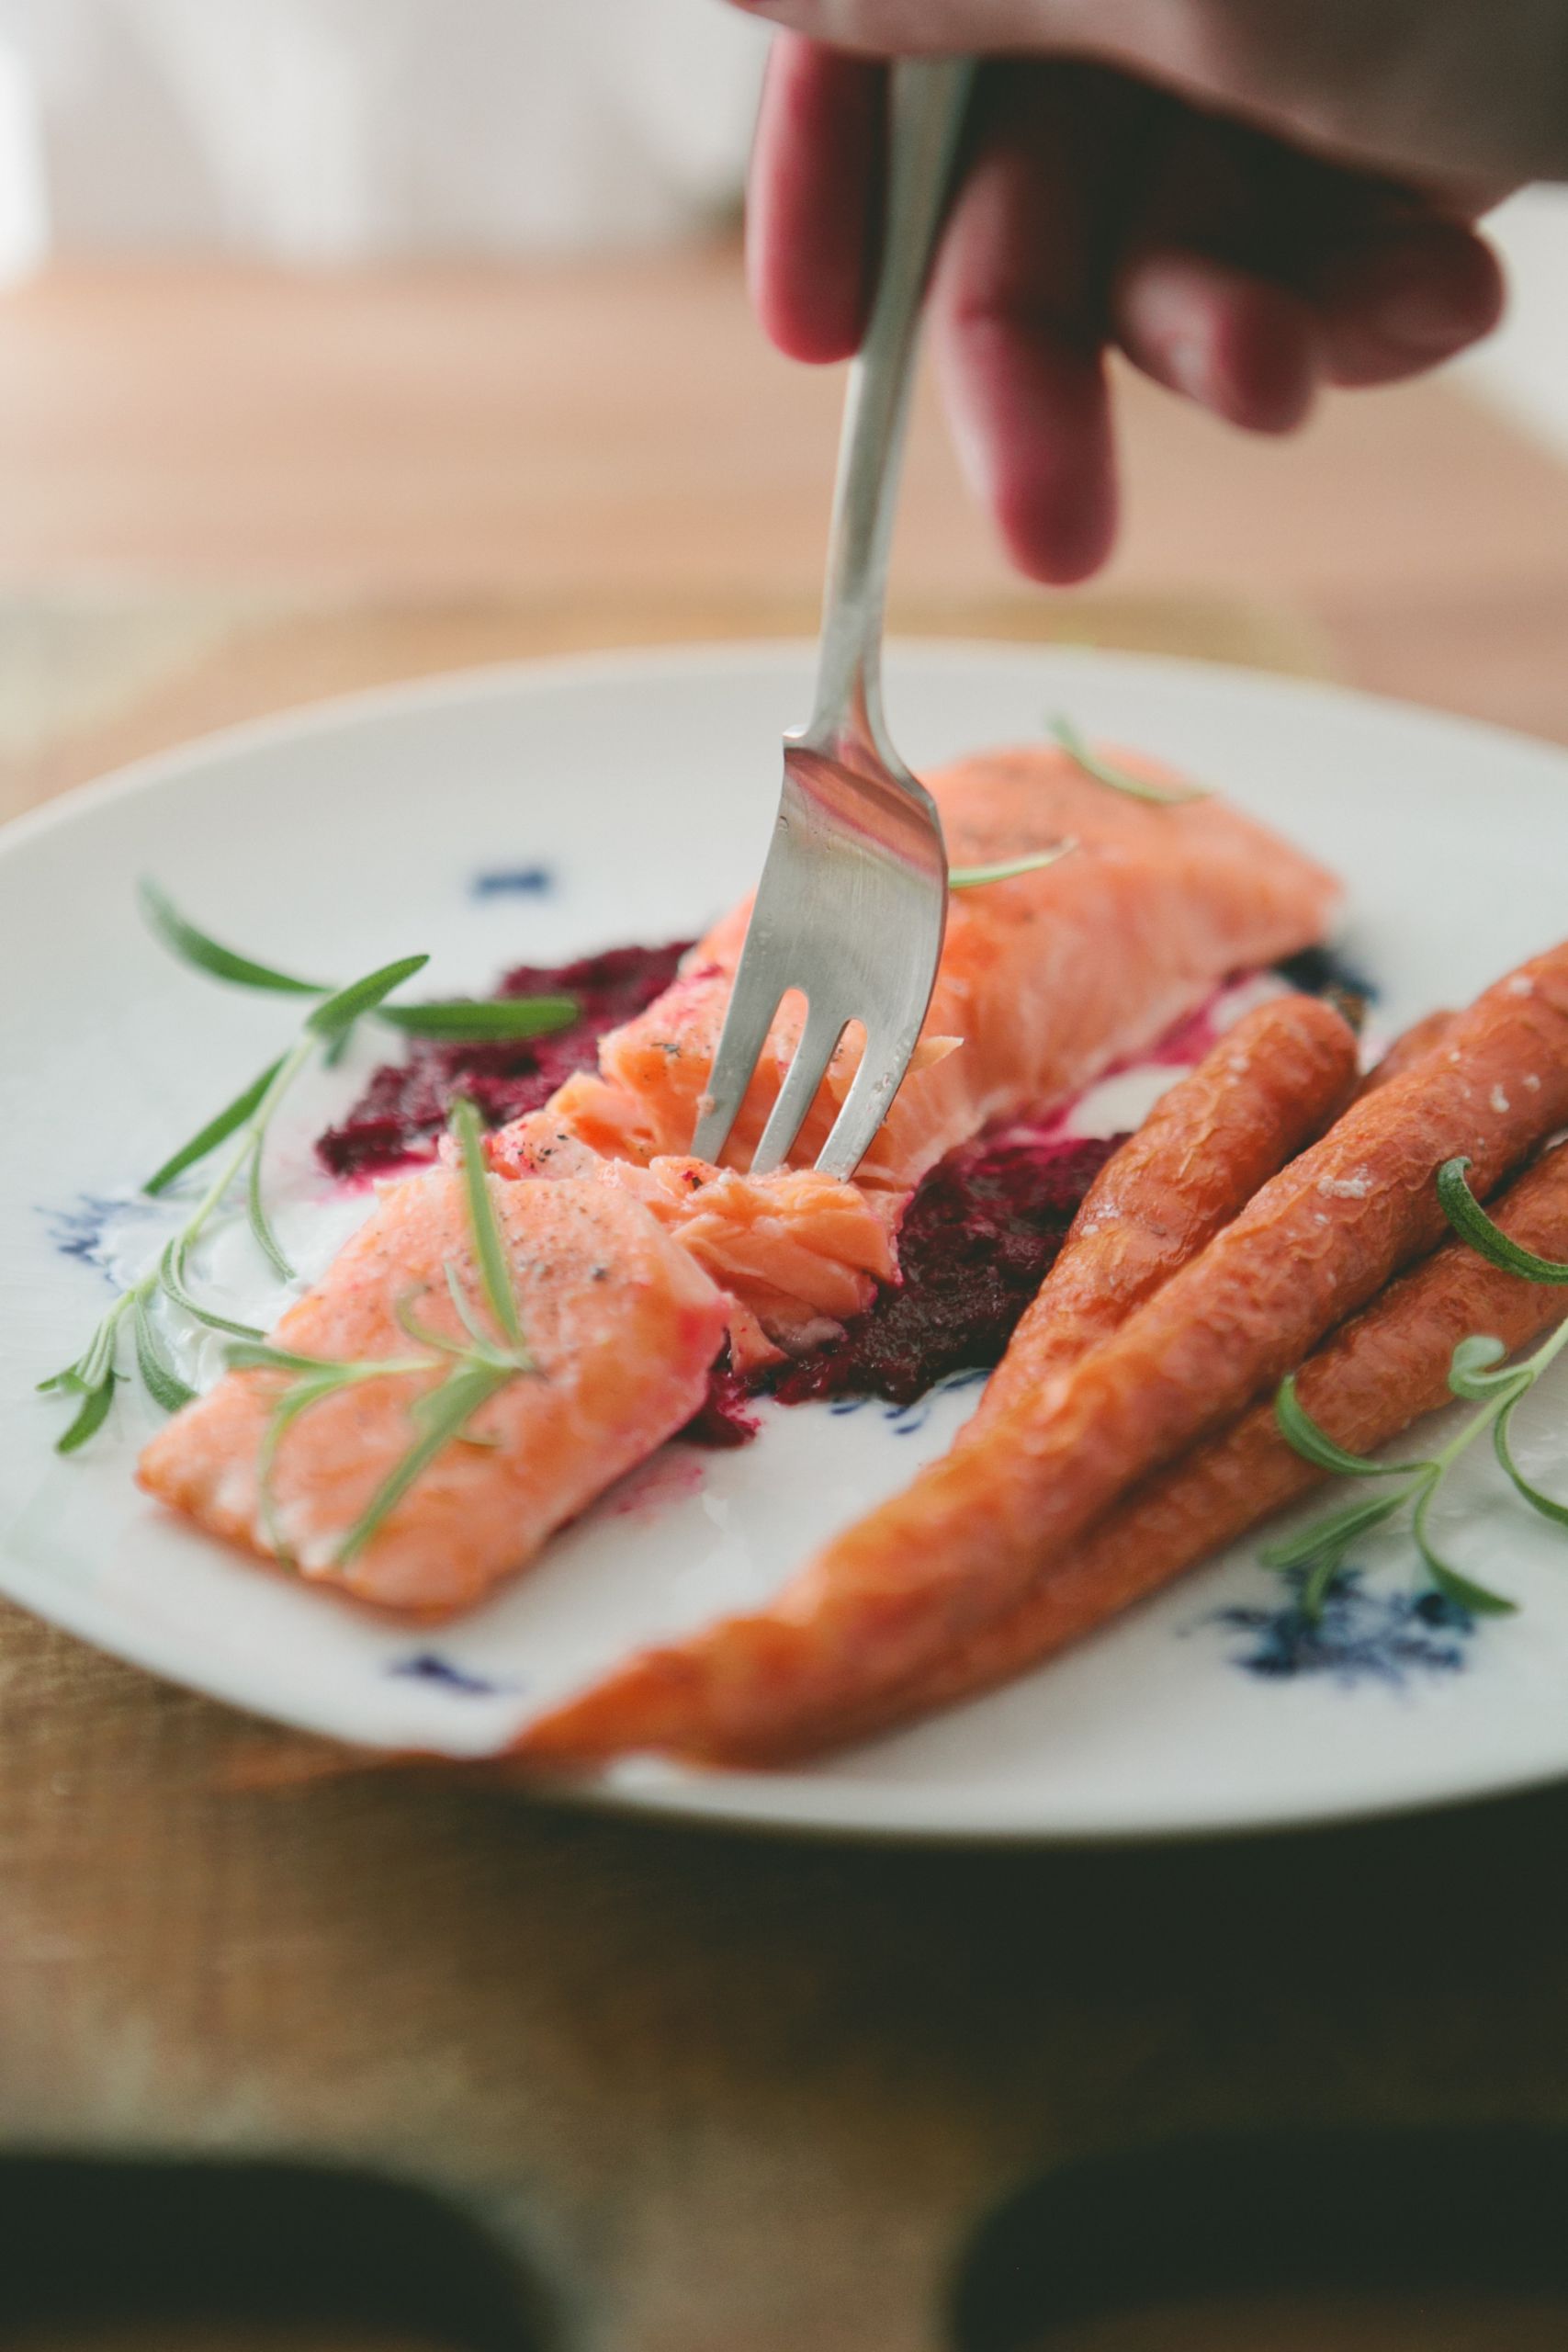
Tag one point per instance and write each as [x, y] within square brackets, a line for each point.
[621, 1321]
[798, 1253]
[1045, 981]
[636, 1265]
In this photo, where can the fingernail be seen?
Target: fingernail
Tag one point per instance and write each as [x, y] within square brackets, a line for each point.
[1185, 361]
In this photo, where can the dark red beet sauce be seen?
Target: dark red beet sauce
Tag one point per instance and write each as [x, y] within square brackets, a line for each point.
[973, 1249]
[974, 1246]
[404, 1107]
[724, 1419]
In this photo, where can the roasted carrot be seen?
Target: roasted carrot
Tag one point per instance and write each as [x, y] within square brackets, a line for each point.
[895, 1594]
[1269, 1086]
[1408, 1049]
[1368, 1382]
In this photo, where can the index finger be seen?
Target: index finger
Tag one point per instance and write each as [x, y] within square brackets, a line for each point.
[814, 206]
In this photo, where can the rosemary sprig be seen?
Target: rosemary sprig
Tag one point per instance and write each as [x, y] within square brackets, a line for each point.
[1320, 1548]
[246, 1122]
[483, 1020]
[1478, 1373]
[1119, 779]
[159, 1377]
[171, 1282]
[472, 1020]
[326, 1024]
[327, 1029]
[1471, 1222]
[439, 1416]
[490, 1242]
[313, 1378]
[476, 1370]
[95, 1373]
[97, 1391]
[217, 1130]
[192, 947]
[974, 877]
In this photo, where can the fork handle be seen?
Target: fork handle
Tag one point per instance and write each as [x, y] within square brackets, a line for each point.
[929, 100]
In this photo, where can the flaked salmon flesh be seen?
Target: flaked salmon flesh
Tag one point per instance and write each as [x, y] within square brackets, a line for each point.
[635, 1264]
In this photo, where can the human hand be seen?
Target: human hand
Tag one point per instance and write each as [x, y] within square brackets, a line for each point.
[1247, 199]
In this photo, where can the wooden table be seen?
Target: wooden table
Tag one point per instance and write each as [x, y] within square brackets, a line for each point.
[442, 466]
[700, 2094]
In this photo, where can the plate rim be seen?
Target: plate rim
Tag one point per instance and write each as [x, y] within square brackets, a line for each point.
[486, 680]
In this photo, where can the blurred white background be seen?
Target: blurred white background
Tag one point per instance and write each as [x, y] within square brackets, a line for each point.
[1525, 366]
[342, 130]
[323, 131]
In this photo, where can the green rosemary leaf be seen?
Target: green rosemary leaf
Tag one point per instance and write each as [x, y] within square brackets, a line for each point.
[215, 1132]
[1472, 1375]
[92, 1417]
[1314, 1445]
[1319, 1584]
[490, 1242]
[420, 1333]
[1471, 1222]
[285, 1413]
[258, 1219]
[193, 946]
[1330, 1537]
[159, 1377]
[489, 1018]
[96, 1359]
[260, 1355]
[316, 1378]
[339, 1013]
[1478, 1599]
[171, 1279]
[1106, 771]
[974, 877]
[1502, 1441]
[439, 1416]
[99, 1356]
[466, 1316]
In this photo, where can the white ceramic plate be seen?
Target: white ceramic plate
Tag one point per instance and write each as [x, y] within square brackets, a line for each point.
[642, 790]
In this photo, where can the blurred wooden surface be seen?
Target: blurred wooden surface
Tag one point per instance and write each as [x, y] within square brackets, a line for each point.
[617, 434]
[710, 2096]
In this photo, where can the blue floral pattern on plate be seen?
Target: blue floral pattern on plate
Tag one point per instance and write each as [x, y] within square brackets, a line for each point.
[430, 1667]
[1362, 1636]
[514, 882]
[83, 1228]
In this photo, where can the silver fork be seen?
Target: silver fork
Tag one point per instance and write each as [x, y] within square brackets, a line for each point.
[852, 902]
